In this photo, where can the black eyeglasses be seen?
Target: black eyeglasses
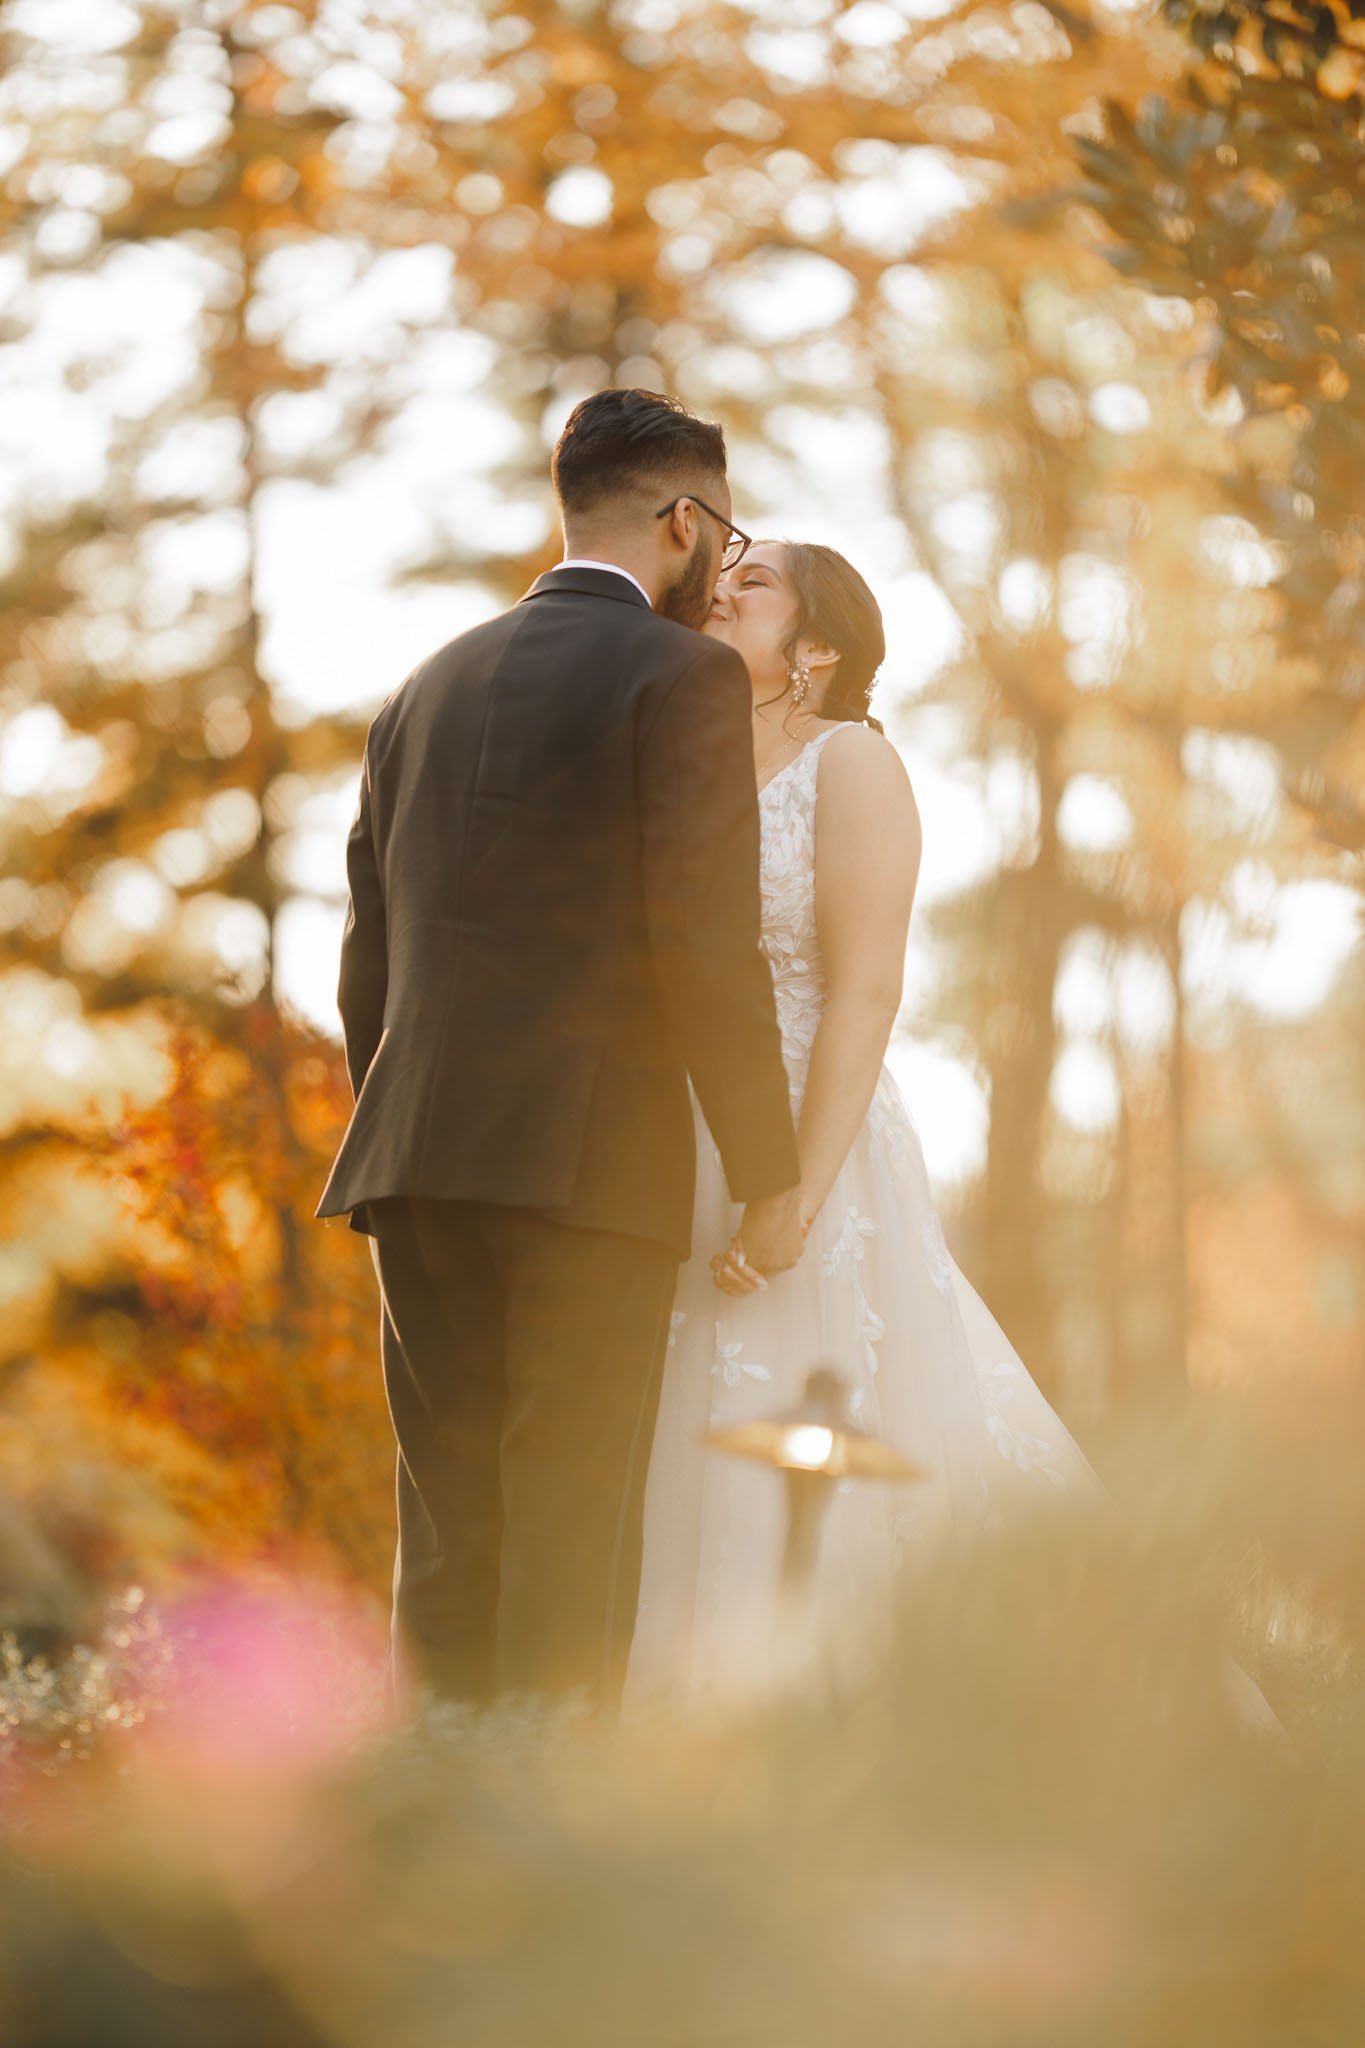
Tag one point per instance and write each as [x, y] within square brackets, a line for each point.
[739, 542]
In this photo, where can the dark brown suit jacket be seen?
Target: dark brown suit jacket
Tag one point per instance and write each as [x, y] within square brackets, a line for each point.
[554, 919]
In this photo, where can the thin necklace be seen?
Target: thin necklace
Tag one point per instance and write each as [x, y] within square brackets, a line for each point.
[766, 768]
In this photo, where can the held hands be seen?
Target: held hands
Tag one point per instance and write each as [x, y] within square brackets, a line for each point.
[771, 1239]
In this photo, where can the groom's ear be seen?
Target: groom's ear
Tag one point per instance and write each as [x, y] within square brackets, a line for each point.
[682, 523]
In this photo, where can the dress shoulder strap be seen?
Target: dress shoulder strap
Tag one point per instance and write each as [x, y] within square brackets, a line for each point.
[811, 752]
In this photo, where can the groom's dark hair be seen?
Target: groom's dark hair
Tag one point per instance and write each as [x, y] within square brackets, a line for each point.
[617, 443]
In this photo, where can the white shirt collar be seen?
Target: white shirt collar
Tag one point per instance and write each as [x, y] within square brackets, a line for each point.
[613, 568]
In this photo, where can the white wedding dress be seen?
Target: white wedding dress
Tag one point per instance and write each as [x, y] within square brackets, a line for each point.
[878, 1297]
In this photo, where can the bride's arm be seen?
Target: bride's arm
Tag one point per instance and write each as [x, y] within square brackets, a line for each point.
[867, 854]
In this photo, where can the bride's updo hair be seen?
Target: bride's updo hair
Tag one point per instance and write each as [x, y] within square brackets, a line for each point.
[835, 605]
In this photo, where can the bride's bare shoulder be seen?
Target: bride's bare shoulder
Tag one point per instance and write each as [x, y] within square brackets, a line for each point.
[864, 798]
[855, 757]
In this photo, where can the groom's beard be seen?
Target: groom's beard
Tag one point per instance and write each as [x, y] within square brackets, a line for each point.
[689, 599]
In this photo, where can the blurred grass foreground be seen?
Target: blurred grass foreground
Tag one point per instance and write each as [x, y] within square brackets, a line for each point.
[1053, 318]
[1044, 1821]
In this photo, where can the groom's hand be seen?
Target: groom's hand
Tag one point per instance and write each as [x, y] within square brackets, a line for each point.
[771, 1232]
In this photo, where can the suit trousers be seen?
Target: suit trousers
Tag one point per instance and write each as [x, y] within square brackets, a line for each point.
[522, 1363]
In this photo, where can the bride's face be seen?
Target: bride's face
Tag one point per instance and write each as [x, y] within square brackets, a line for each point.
[752, 611]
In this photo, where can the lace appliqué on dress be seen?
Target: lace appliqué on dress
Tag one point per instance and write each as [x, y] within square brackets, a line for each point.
[1028, 1452]
[787, 879]
[890, 1126]
[937, 1256]
[730, 1365]
[848, 1248]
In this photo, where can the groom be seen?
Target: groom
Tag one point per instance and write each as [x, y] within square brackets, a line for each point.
[554, 920]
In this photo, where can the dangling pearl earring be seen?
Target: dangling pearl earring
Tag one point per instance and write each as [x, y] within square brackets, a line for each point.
[798, 675]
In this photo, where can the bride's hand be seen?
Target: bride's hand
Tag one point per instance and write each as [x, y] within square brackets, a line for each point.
[732, 1272]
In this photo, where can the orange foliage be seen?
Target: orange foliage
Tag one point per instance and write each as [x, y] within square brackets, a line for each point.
[247, 1329]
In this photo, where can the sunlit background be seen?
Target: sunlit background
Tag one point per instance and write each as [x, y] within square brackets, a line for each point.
[1052, 319]
[295, 302]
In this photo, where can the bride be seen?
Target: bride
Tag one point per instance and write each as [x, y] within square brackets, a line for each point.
[877, 1294]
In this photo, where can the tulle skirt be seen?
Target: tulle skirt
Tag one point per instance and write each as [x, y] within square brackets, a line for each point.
[924, 1366]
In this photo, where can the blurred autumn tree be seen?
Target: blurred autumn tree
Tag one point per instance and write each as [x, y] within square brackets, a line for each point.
[1243, 199]
[193, 1325]
[1238, 198]
[1109, 609]
[854, 232]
